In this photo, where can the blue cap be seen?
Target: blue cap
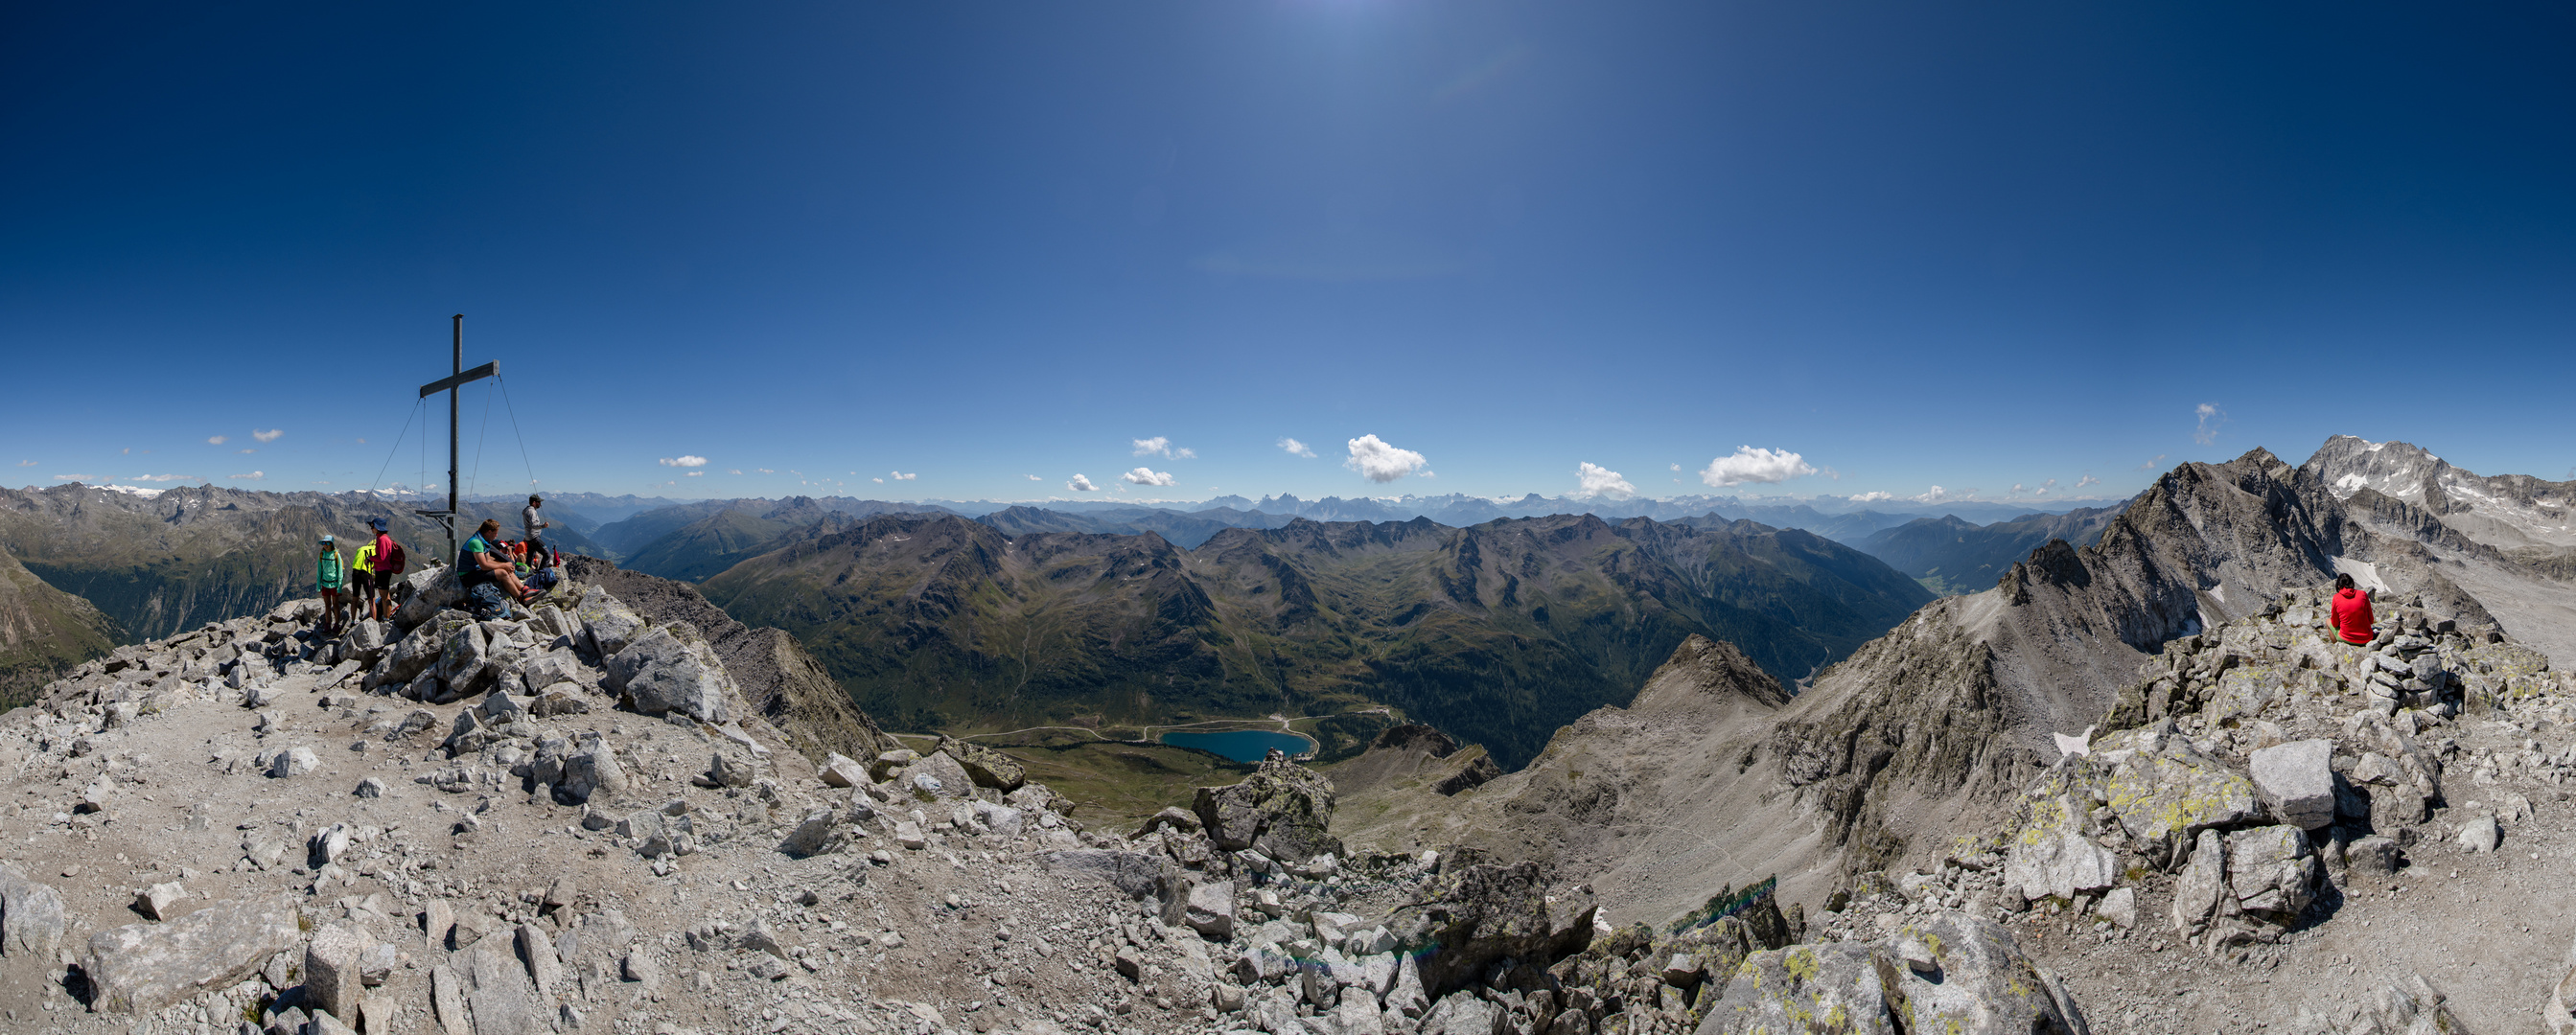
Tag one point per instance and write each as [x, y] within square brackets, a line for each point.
[377, 523]
[326, 538]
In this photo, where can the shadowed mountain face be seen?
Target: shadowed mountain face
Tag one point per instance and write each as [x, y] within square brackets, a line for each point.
[1950, 556]
[43, 632]
[164, 564]
[1498, 633]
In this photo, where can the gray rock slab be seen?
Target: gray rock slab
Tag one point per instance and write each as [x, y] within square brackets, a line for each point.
[139, 968]
[31, 916]
[499, 998]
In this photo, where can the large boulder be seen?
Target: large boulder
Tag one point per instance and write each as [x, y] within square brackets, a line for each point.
[2272, 872]
[1284, 810]
[1472, 916]
[2201, 891]
[140, 968]
[333, 962]
[2297, 781]
[987, 767]
[541, 672]
[1950, 973]
[1838, 987]
[432, 590]
[592, 772]
[936, 777]
[462, 659]
[663, 672]
[2052, 854]
[417, 651]
[2169, 794]
[31, 917]
[607, 624]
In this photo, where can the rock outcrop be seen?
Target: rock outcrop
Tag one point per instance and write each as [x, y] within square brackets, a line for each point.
[1283, 810]
[1951, 972]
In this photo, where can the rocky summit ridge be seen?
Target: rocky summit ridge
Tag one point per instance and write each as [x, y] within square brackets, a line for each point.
[580, 817]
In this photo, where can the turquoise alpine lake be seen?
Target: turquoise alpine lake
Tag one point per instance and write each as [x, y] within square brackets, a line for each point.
[1240, 745]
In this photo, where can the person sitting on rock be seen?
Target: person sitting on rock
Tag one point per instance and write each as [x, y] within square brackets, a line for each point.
[484, 569]
[2351, 612]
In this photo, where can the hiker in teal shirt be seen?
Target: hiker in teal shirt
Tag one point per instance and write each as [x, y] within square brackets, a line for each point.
[484, 569]
[328, 572]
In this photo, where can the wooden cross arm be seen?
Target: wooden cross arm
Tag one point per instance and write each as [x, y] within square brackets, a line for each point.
[478, 373]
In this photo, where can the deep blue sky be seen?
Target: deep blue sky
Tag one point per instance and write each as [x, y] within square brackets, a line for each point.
[1916, 244]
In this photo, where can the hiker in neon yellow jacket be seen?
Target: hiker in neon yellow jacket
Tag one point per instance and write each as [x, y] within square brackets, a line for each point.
[362, 582]
[328, 574]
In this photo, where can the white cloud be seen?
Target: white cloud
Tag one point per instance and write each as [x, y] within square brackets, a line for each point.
[2017, 487]
[1377, 461]
[1677, 467]
[163, 478]
[85, 478]
[1149, 476]
[1937, 495]
[697, 474]
[879, 481]
[1035, 478]
[1296, 448]
[1151, 446]
[245, 451]
[2049, 484]
[1597, 480]
[251, 477]
[2151, 464]
[764, 470]
[2211, 419]
[735, 471]
[2087, 480]
[684, 461]
[1873, 497]
[1185, 453]
[217, 440]
[1754, 465]
[900, 476]
[270, 435]
[1081, 484]
[26, 463]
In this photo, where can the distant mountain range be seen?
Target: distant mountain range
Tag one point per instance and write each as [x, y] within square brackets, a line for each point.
[1950, 556]
[1499, 632]
[695, 540]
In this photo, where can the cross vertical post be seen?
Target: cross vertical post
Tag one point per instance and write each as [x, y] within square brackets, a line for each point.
[456, 378]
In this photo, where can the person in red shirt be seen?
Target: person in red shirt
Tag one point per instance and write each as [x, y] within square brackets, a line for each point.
[2351, 611]
[388, 563]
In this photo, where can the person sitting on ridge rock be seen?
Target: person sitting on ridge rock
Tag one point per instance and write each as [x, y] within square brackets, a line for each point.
[2351, 611]
[485, 572]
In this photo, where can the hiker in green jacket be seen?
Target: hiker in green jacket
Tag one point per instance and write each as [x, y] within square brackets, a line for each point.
[328, 573]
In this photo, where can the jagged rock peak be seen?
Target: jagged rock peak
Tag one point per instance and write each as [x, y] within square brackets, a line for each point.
[1702, 667]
